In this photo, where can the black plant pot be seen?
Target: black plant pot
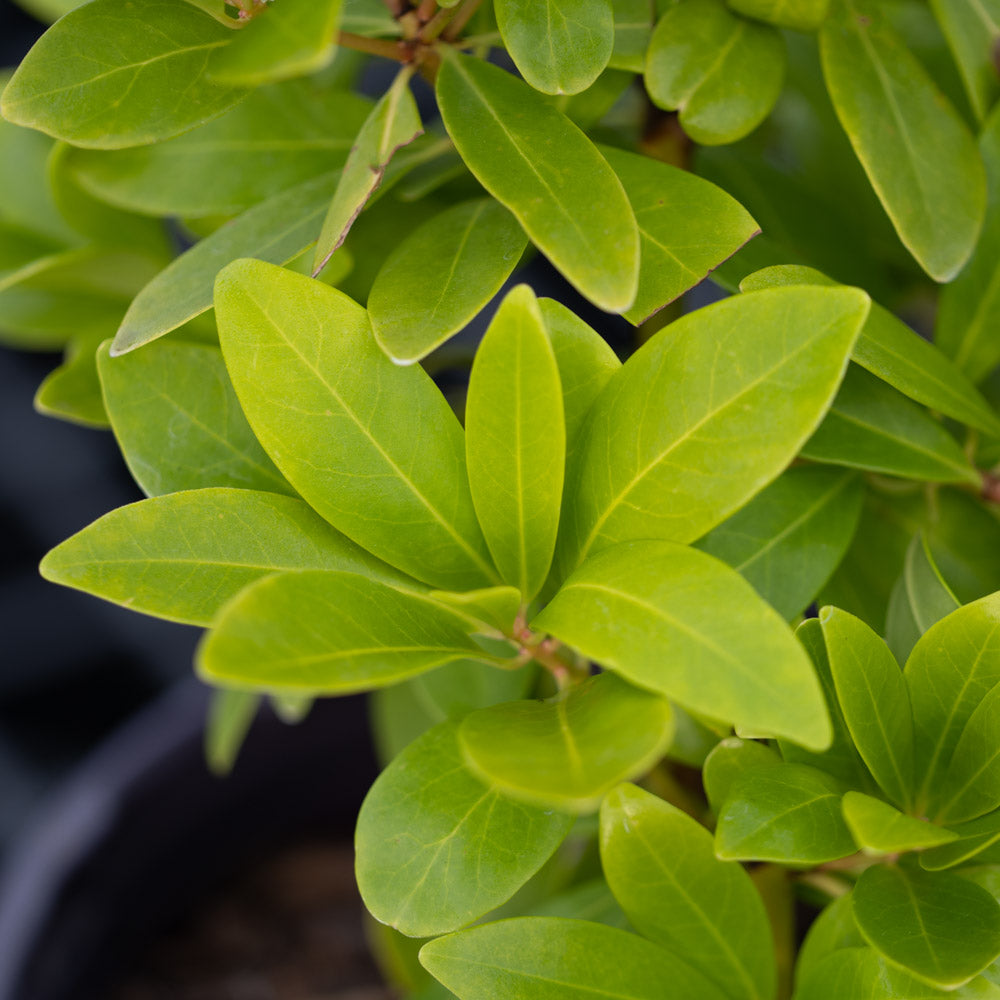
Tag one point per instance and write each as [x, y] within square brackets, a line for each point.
[141, 831]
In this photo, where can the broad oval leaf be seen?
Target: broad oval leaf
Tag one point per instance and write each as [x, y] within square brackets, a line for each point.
[722, 72]
[441, 276]
[538, 164]
[873, 697]
[832, 931]
[789, 539]
[559, 46]
[492, 608]
[728, 760]
[435, 848]
[664, 453]
[941, 928]
[934, 192]
[648, 610]
[553, 958]
[687, 227]
[393, 122]
[277, 230]
[954, 664]
[879, 828]
[337, 416]
[799, 15]
[109, 75]
[973, 838]
[662, 868]
[789, 814]
[315, 632]
[568, 752]
[179, 424]
[973, 777]
[633, 28]
[184, 555]
[515, 442]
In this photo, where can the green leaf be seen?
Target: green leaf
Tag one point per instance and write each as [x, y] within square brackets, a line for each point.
[568, 752]
[934, 192]
[789, 813]
[515, 442]
[109, 75]
[435, 846]
[648, 610]
[493, 608]
[662, 868]
[687, 227]
[841, 759]
[321, 632]
[230, 714]
[799, 15]
[731, 758]
[538, 164]
[338, 416]
[633, 29]
[182, 556]
[72, 391]
[178, 422]
[862, 974]
[889, 349]
[972, 28]
[919, 599]
[559, 46]
[551, 958]
[664, 453]
[722, 72]
[937, 926]
[832, 931]
[974, 837]
[280, 136]
[393, 123]
[969, 308]
[878, 828]
[789, 539]
[873, 697]
[973, 778]
[293, 38]
[953, 666]
[872, 426]
[277, 230]
[441, 276]
[456, 689]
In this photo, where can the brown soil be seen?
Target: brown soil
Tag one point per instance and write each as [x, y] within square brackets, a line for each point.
[291, 929]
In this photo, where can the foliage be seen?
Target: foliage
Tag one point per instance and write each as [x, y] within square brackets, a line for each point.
[580, 582]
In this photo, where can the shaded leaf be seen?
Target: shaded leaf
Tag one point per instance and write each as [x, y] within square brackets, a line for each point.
[974, 837]
[799, 15]
[230, 714]
[633, 29]
[72, 391]
[972, 28]
[973, 778]
[731, 758]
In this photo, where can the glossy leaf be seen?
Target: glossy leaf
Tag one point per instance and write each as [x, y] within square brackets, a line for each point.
[789, 539]
[969, 308]
[552, 958]
[277, 230]
[515, 442]
[799, 15]
[972, 28]
[664, 453]
[427, 824]
[937, 926]
[538, 164]
[230, 715]
[647, 610]
[872, 426]
[731, 758]
[919, 599]
[108, 75]
[328, 633]
[873, 697]
[687, 227]
[282, 135]
[934, 193]
[294, 38]
[893, 352]
[337, 416]
[441, 276]
[878, 828]
[559, 46]
[184, 555]
[973, 838]
[662, 868]
[790, 814]
[955, 663]
[178, 422]
[973, 778]
[568, 752]
[393, 123]
[722, 72]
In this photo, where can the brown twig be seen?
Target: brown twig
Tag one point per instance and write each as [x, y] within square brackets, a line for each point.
[398, 51]
[462, 17]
